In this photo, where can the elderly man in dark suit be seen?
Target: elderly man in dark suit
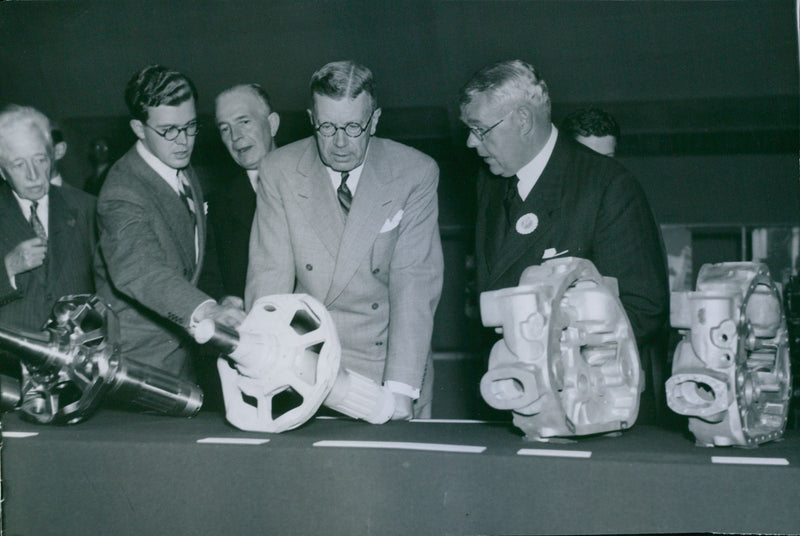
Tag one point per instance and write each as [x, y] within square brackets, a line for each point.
[47, 233]
[247, 125]
[152, 222]
[351, 219]
[546, 196]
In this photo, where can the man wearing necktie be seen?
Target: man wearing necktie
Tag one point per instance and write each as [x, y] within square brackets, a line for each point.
[247, 126]
[153, 236]
[546, 196]
[46, 232]
[351, 219]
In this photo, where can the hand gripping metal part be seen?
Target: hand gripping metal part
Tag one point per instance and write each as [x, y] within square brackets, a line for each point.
[71, 366]
[568, 364]
[730, 372]
[282, 363]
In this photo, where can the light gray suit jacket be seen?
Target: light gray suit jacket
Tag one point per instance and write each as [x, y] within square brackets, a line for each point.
[378, 271]
[145, 267]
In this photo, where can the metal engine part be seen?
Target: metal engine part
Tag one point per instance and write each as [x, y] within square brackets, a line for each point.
[568, 364]
[282, 364]
[71, 366]
[731, 373]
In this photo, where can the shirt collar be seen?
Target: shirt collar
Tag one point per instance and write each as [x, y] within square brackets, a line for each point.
[529, 174]
[352, 179]
[42, 207]
[252, 174]
[170, 175]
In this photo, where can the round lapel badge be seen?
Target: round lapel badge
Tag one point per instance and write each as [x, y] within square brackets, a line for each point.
[527, 223]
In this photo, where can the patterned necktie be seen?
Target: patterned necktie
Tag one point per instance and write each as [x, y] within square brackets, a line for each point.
[344, 194]
[512, 201]
[186, 195]
[36, 223]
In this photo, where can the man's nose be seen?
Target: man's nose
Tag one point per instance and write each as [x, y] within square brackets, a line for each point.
[472, 140]
[340, 138]
[184, 140]
[236, 133]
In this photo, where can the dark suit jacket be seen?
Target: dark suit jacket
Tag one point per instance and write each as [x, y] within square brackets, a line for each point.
[588, 206]
[231, 209]
[68, 267]
[145, 267]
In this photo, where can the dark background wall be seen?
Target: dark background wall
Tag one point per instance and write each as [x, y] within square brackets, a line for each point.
[706, 92]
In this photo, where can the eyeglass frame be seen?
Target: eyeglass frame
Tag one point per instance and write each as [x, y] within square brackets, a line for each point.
[178, 129]
[480, 135]
[336, 129]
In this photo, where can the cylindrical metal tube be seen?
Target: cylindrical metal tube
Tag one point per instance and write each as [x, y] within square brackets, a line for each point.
[153, 389]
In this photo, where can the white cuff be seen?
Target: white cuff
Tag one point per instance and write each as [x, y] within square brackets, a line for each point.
[402, 389]
[193, 321]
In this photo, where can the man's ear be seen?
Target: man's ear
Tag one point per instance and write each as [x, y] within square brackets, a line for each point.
[137, 127]
[375, 116]
[274, 122]
[59, 150]
[524, 118]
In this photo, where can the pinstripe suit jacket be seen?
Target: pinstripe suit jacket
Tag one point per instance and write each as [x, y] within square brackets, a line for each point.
[378, 271]
[68, 268]
[145, 266]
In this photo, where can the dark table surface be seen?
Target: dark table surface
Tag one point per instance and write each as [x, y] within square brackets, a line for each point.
[126, 473]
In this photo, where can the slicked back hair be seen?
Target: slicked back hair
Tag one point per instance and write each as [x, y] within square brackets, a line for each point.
[256, 89]
[15, 115]
[343, 79]
[507, 81]
[590, 122]
[156, 85]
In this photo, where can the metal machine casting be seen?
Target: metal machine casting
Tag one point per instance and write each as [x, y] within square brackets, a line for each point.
[71, 366]
[731, 373]
[568, 364]
[282, 363]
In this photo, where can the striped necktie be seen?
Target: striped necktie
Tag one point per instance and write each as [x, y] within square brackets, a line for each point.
[36, 223]
[344, 194]
[185, 194]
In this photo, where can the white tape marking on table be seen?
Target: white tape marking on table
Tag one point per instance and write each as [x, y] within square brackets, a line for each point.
[555, 453]
[19, 435]
[233, 441]
[438, 447]
[744, 460]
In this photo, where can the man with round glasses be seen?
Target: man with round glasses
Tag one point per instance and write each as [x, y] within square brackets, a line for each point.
[546, 196]
[152, 224]
[351, 219]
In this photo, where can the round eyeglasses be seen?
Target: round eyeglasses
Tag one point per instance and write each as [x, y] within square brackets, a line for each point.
[172, 133]
[353, 130]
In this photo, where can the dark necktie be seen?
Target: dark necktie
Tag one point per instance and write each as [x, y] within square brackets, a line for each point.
[511, 201]
[344, 194]
[185, 194]
[36, 223]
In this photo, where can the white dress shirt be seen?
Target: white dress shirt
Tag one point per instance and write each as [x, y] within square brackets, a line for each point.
[529, 174]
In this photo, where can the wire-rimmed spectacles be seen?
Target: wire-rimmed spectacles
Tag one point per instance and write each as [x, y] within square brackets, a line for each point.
[353, 129]
[482, 133]
[171, 133]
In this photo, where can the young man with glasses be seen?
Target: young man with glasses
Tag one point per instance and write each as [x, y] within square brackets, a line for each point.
[153, 234]
[545, 196]
[351, 219]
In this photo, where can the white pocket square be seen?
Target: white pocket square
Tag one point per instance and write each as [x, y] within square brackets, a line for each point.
[549, 253]
[392, 222]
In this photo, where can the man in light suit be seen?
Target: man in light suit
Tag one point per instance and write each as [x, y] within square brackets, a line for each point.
[152, 227]
[546, 196]
[351, 219]
[47, 233]
[247, 125]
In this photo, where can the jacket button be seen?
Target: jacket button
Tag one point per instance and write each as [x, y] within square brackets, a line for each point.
[379, 343]
[376, 270]
[374, 306]
[309, 267]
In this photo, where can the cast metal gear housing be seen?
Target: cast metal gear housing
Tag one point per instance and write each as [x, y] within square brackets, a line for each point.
[75, 363]
[568, 364]
[730, 372]
[282, 363]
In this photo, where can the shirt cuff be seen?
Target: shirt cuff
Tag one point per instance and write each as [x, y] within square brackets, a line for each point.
[402, 389]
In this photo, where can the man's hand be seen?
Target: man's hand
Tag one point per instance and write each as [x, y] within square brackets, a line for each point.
[26, 256]
[402, 408]
[224, 313]
[232, 301]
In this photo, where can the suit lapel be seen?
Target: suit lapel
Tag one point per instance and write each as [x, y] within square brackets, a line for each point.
[372, 205]
[544, 201]
[318, 200]
[200, 220]
[16, 228]
[62, 223]
[167, 202]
